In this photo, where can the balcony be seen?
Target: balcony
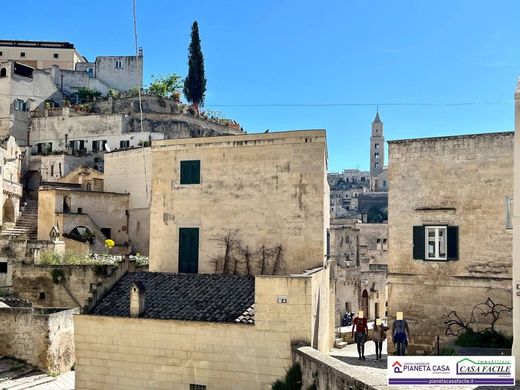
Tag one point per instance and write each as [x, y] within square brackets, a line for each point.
[12, 188]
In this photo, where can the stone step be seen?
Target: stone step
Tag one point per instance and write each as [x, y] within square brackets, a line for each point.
[340, 344]
[27, 382]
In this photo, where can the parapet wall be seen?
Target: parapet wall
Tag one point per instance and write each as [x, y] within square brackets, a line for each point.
[43, 338]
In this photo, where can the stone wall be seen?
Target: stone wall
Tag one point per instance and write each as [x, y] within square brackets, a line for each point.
[44, 338]
[137, 182]
[133, 353]
[460, 181]
[31, 280]
[272, 188]
[326, 372]
[106, 209]
[358, 248]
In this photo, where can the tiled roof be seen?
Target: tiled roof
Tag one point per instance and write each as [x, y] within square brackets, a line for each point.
[192, 297]
[247, 317]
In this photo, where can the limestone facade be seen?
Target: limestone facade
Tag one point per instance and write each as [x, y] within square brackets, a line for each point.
[42, 337]
[162, 354]
[100, 215]
[361, 253]
[269, 188]
[130, 171]
[516, 238]
[461, 183]
[41, 54]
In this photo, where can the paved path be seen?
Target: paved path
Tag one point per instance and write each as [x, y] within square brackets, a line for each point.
[18, 375]
[373, 372]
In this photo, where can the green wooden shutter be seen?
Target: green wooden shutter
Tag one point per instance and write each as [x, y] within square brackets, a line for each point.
[453, 242]
[188, 250]
[190, 172]
[418, 242]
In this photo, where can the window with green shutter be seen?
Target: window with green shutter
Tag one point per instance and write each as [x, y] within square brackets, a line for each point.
[190, 172]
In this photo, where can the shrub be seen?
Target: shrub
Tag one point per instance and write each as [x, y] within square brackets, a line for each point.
[485, 339]
[292, 380]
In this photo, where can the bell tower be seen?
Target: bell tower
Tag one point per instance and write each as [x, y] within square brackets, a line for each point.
[377, 151]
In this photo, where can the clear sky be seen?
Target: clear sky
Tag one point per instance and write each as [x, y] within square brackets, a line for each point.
[314, 52]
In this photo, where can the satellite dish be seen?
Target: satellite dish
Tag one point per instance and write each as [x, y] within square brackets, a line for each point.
[107, 148]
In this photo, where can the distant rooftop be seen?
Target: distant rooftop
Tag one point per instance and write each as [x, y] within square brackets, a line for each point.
[53, 44]
[189, 297]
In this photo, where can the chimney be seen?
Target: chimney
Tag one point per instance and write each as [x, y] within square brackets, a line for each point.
[137, 295]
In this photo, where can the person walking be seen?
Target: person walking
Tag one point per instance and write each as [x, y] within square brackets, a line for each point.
[360, 333]
[379, 336]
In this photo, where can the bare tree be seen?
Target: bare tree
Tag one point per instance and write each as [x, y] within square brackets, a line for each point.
[278, 258]
[227, 261]
[264, 254]
[246, 254]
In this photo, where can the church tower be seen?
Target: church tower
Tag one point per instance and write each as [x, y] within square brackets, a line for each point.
[377, 151]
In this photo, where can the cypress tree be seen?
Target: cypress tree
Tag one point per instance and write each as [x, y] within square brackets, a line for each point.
[195, 82]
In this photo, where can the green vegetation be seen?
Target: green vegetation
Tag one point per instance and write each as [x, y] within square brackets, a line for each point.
[376, 215]
[88, 94]
[57, 275]
[71, 258]
[486, 339]
[447, 351]
[166, 86]
[292, 380]
[195, 82]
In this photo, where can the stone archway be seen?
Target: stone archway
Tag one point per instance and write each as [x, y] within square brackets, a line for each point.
[8, 214]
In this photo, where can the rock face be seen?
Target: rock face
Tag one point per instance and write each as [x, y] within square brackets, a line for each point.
[459, 182]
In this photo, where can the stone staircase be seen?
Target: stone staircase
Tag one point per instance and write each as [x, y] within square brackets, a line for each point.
[18, 375]
[27, 223]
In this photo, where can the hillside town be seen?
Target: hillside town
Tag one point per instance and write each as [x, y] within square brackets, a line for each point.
[148, 244]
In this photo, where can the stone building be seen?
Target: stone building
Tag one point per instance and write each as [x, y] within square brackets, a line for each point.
[201, 331]
[361, 253]
[137, 183]
[41, 54]
[23, 89]
[378, 181]
[11, 190]
[266, 193]
[516, 237]
[118, 73]
[83, 215]
[450, 249]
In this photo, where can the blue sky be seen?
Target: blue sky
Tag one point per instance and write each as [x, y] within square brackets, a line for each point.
[310, 52]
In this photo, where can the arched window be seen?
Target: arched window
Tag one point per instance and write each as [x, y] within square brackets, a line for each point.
[3, 72]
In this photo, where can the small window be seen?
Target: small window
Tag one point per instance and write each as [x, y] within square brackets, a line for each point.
[19, 105]
[89, 186]
[80, 210]
[376, 155]
[1, 53]
[90, 72]
[119, 64]
[190, 172]
[124, 144]
[197, 387]
[385, 246]
[435, 242]
[376, 165]
[41, 295]
[438, 243]
[138, 226]
[3, 72]
[376, 146]
[56, 55]
[22, 54]
[3, 268]
[52, 170]
[378, 245]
